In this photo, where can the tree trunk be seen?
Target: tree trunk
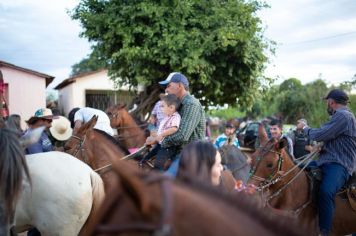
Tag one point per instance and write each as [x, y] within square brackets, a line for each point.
[145, 102]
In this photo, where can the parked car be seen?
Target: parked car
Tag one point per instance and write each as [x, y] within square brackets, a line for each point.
[247, 135]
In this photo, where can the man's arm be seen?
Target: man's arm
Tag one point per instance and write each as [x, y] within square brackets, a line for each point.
[190, 120]
[330, 130]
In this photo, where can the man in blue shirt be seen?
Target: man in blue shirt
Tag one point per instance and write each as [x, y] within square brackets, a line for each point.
[228, 137]
[42, 117]
[338, 155]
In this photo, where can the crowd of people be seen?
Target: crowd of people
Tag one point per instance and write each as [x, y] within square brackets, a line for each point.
[178, 131]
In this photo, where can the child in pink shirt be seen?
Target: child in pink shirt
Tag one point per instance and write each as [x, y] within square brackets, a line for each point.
[169, 125]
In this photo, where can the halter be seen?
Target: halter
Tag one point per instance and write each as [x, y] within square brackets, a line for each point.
[163, 228]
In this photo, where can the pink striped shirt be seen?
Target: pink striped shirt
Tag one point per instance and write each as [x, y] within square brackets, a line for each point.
[169, 122]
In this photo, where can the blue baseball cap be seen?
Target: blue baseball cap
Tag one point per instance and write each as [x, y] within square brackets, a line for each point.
[175, 77]
[338, 95]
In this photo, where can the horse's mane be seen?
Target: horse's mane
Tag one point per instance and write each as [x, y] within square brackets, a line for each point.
[243, 203]
[13, 169]
[113, 140]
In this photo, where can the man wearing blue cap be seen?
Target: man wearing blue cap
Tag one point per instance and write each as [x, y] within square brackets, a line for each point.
[338, 155]
[192, 126]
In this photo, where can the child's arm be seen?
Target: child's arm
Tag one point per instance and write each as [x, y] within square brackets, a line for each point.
[167, 132]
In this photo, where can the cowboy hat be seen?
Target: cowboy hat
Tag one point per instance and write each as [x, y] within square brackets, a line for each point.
[61, 129]
[42, 113]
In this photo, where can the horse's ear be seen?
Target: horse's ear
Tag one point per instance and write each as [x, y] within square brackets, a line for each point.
[133, 185]
[282, 143]
[92, 122]
[121, 105]
[262, 134]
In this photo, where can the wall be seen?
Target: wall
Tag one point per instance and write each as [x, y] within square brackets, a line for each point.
[73, 95]
[27, 93]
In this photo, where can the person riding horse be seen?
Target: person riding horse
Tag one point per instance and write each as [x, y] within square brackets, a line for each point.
[192, 125]
[338, 155]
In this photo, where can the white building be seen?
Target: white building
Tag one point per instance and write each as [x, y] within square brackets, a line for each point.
[25, 90]
[92, 89]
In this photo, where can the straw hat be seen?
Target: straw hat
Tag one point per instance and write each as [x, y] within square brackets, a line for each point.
[61, 129]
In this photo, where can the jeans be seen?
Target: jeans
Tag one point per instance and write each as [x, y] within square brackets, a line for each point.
[162, 155]
[334, 178]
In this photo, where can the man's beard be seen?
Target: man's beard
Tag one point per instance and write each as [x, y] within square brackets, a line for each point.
[330, 111]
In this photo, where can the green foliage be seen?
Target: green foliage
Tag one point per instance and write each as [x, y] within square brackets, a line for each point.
[227, 113]
[91, 63]
[218, 44]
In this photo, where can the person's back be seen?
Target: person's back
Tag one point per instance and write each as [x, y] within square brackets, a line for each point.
[86, 113]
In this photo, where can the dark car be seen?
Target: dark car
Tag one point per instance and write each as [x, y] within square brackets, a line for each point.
[247, 135]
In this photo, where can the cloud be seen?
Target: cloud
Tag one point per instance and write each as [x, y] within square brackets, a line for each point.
[313, 37]
[40, 35]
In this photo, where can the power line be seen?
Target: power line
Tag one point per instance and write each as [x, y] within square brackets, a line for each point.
[321, 39]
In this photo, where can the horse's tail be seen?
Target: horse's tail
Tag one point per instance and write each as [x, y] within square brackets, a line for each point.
[13, 169]
[98, 197]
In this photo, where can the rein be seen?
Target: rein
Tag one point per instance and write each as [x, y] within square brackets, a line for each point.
[103, 169]
[163, 228]
[275, 179]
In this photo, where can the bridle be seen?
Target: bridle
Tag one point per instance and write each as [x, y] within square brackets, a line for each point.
[80, 148]
[272, 176]
[163, 228]
[276, 177]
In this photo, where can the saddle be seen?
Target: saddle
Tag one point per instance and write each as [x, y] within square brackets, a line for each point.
[347, 192]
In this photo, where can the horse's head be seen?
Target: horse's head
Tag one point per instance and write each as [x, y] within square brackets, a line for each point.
[267, 160]
[116, 114]
[76, 144]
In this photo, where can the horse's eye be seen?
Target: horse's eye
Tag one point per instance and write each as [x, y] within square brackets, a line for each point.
[269, 165]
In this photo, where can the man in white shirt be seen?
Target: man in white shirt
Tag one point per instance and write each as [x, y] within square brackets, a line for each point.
[79, 116]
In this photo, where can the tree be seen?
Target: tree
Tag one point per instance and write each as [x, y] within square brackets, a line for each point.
[91, 63]
[218, 44]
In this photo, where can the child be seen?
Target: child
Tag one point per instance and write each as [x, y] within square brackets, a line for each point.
[169, 125]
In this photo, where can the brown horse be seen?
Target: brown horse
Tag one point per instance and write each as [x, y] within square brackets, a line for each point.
[13, 170]
[95, 148]
[145, 203]
[289, 187]
[129, 132]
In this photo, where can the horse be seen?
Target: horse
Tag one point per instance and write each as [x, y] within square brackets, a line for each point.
[290, 188]
[97, 149]
[64, 196]
[129, 132]
[235, 161]
[152, 203]
[13, 171]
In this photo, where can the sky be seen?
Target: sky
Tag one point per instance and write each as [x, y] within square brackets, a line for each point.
[315, 38]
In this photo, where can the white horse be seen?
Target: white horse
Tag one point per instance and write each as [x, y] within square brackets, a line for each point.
[63, 193]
